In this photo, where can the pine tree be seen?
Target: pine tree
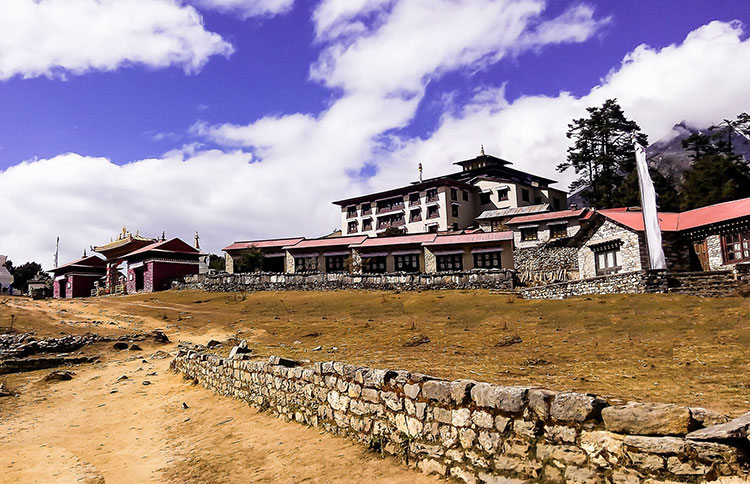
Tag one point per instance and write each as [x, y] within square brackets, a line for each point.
[602, 153]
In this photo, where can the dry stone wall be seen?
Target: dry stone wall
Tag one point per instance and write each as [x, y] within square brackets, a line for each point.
[477, 432]
[500, 279]
[707, 284]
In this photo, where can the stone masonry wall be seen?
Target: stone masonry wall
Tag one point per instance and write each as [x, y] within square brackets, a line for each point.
[707, 284]
[546, 263]
[478, 432]
[501, 279]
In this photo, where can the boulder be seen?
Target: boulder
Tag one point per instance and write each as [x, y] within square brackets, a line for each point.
[647, 419]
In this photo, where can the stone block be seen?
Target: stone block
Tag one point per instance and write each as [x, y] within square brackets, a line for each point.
[511, 399]
[567, 454]
[558, 434]
[448, 436]
[483, 395]
[540, 401]
[738, 428]
[489, 441]
[525, 429]
[582, 475]
[411, 390]
[656, 445]
[647, 419]
[435, 390]
[604, 449]
[371, 395]
[432, 466]
[707, 418]
[486, 478]
[442, 415]
[646, 462]
[501, 423]
[685, 468]
[482, 419]
[461, 391]
[467, 437]
[576, 407]
[464, 475]
[461, 417]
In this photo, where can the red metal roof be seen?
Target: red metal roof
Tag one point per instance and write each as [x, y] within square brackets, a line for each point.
[672, 222]
[416, 239]
[264, 244]
[174, 245]
[471, 238]
[634, 220]
[327, 242]
[711, 214]
[539, 217]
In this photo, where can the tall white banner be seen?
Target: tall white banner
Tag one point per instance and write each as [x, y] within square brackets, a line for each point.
[650, 215]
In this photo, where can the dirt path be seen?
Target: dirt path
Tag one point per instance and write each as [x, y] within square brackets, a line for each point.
[80, 431]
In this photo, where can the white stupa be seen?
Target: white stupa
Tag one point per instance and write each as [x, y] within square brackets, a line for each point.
[5, 277]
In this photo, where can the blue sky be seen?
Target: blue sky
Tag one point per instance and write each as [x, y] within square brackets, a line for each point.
[245, 118]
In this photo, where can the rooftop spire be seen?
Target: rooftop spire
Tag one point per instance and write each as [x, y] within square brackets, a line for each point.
[482, 151]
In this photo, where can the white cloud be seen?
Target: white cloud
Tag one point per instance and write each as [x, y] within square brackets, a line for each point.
[59, 37]
[701, 80]
[417, 40]
[248, 8]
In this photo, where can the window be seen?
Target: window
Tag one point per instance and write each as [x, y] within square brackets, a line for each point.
[450, 262]
[454, 227]
[373, 265]
[432, 195]
[407, 262]
[484, 198]
[351, 211]
[391, 204]
[305, 264]
[465, 195]
[487, 260]
[433, 211]
[454, 194]
[736, 247]
[352, 227]
[454, 210]
[556, 203]
[606, 261]
[432, 228]
[502, 193]
[529, 233]
[366, 224]
[413, 199]
[366, 209]
[525, 195]
[415, 215]
[393, 220]
[335, 263]
[558, 231]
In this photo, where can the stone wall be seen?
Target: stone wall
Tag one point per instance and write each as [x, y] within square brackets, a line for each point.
[629, 255]
[545, 264]
[478, 432]
[708, 284]
[501, 279]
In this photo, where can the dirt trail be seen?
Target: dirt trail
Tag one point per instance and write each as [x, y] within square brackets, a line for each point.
[79, 431]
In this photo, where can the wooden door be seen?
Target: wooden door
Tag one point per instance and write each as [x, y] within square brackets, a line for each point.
[701, 250]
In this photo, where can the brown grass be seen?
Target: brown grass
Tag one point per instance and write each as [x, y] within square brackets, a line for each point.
[665, 348]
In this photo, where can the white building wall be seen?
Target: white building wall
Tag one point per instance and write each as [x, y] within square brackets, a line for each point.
[628, 256]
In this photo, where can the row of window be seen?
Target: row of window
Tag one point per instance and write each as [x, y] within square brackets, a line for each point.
[402, 263]
[556, 231]
[397, 219]
[397, 203]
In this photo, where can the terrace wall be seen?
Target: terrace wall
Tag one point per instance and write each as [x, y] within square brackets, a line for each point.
[478, 432]
[500, 279]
